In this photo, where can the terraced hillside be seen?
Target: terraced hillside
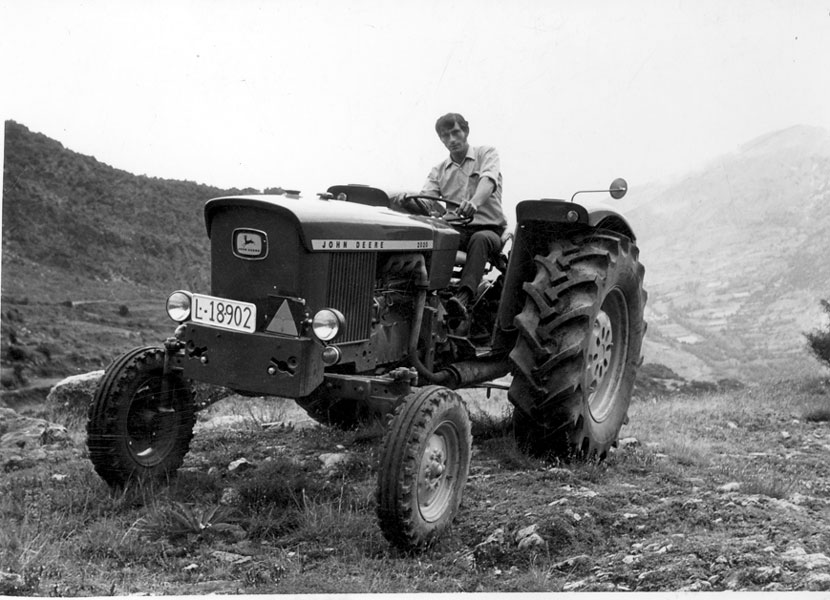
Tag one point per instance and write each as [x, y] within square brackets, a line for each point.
[736, 256]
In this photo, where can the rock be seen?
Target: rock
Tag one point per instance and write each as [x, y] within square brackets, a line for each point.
[12, 584]
[732, 486]
[332, 460]
[24, 441]
[230, 557]
[817, 582]
[74, 393]
[629, 442]
[497, 537]
[578, 561]
[797, 558]
[240, 465]
[525, 532]
[731, 424]
[492, 549]
[767, 574]
[534, 540]
[229, 531]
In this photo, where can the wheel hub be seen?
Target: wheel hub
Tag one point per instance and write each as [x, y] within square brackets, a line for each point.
[435, 476]
[607, 354]
[602, 342]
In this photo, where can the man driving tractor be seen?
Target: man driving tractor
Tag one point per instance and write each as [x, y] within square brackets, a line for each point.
[469, 182]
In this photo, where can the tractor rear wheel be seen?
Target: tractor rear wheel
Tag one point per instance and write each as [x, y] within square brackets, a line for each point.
[578, 349]
[423, 467]
[140, 421]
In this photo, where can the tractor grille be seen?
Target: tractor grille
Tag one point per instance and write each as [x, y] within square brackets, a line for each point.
[351, 283]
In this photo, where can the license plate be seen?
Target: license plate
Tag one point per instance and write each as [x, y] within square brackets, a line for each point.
[224, 313]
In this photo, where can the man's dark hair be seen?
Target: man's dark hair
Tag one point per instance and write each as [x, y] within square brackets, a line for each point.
[449, 120]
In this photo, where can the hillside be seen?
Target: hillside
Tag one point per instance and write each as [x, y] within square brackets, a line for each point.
[89, 254]
[736, 258]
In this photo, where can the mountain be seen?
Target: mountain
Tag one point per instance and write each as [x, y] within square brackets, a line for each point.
[736, 258]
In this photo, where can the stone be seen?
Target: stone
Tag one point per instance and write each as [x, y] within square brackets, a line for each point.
[230, 557]
[797, 558]
[332, 460]
[497, 537]
[229, 531]
[817, 582]
[74, 393]
[534, 540]
[12, 584]
[25, 441]
[578, 561]
[240, 465]
[732, 486]
[525, 532]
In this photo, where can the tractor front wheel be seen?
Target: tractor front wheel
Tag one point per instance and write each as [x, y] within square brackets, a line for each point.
[423, 468]
[140, 421]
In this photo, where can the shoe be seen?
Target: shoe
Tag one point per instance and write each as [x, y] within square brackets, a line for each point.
[457, 305]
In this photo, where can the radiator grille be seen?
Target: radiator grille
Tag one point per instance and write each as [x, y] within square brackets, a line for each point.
[351, 283]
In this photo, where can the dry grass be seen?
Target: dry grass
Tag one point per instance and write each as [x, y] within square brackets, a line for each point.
[295, 528]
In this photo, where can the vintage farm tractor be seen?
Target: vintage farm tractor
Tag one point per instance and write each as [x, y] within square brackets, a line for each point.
[339, 303]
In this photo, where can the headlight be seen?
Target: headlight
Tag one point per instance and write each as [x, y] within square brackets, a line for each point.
[178, 306]
[327, 323]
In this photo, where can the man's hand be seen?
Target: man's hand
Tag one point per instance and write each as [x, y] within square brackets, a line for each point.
[467, 209]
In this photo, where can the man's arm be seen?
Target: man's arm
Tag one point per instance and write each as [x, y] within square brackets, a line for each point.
[488, 169]
[484, 188]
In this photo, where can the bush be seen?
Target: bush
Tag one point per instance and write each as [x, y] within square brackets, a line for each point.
[819, 340]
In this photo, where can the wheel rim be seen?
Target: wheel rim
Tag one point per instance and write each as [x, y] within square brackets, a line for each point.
[438, 472]
[607, 354]
[150, 428]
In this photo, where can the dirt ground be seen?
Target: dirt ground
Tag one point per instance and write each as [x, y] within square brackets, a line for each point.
[710, 492]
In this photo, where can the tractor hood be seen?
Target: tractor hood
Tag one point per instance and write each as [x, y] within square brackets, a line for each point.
[337, 226]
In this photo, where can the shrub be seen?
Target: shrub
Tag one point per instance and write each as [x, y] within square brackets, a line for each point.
[819, 340]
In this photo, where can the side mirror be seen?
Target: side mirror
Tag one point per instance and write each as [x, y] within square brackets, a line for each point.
[618, 188]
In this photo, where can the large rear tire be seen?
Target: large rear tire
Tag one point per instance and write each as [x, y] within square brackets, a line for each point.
[140, 422]
[578, 349]
[424, 465]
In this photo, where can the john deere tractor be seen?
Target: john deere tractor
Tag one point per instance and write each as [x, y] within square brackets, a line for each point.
[338, 302]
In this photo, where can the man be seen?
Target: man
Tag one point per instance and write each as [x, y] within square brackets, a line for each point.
[469, 182]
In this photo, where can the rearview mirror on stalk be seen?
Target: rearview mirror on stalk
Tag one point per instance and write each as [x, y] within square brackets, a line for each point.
[617, 189]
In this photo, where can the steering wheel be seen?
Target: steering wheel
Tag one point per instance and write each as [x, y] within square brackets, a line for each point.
[415, 203]
[411, 201]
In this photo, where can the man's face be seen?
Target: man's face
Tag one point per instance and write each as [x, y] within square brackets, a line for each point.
[454, 139]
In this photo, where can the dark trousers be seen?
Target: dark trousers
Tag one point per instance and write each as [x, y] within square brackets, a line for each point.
[480, 244]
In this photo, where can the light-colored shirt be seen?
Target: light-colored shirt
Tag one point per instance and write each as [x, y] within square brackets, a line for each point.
[458, 182]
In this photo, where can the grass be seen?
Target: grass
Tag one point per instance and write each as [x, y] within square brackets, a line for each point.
[296, 528]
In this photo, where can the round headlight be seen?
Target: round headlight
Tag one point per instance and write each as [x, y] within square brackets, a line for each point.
[178, 306]
[327, 323]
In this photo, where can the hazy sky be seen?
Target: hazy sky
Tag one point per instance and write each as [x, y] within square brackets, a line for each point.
[304, 93]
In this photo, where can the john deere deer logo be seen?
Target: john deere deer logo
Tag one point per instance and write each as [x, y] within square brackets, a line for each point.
[250, 244]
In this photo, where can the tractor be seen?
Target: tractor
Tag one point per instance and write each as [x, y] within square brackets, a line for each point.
[338, 302]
